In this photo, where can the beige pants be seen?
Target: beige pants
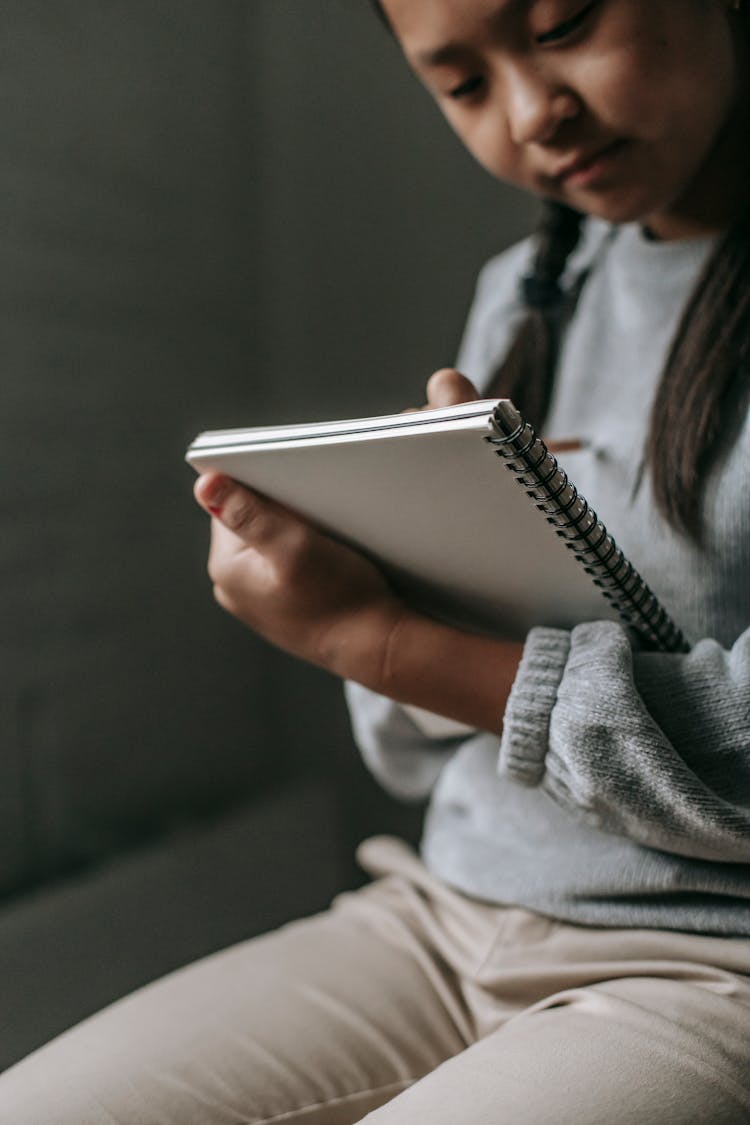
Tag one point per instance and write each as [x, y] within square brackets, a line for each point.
[411, 1003]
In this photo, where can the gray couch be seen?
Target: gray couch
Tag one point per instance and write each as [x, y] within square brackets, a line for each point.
[178, 214]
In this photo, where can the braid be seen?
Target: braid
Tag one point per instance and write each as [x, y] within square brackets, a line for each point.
[705, 381]
[527, 373]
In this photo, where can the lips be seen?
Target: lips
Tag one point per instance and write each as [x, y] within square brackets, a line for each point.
[579, 165]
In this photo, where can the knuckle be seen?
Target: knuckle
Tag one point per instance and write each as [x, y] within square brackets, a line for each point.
[215, 568]
[240, 517]
[225, 600]
[282, 574]
[300, 538]
[219, 596]
[223, 570]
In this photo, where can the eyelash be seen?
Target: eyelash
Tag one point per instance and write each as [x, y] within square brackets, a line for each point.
[466, 89]
[563, 30]
[556, 35]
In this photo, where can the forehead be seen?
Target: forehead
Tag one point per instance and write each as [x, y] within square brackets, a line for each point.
[425, 26]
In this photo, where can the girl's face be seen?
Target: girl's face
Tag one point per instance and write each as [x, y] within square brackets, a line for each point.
[632, 110]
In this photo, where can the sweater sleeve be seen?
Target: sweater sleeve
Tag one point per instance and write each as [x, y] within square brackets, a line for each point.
[652, 746]
[398, 753]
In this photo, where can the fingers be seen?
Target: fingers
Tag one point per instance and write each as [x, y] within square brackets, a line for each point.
[211, 490]
[255, 544]
[449, 387]
[250, 517]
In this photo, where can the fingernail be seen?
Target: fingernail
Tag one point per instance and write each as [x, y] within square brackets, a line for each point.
[215, 496]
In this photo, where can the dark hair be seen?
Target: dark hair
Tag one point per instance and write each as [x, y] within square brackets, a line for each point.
[703, 373]
[708, 360]
[380, 12]
[527, 373]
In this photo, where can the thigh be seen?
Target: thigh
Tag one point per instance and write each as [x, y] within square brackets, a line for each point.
[623, 1052]
[319, 1022]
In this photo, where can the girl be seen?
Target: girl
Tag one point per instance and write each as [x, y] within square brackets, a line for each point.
[571, 946]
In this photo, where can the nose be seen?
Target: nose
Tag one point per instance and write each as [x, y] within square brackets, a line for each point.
[536, 106]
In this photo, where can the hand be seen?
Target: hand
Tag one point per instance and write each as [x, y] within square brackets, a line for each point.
[448, 387]
[295, 586]
[327, 604]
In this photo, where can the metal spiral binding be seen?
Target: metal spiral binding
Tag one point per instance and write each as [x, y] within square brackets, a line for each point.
[539, 473]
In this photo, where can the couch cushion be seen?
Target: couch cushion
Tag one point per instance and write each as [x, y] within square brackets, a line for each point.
[67, 952]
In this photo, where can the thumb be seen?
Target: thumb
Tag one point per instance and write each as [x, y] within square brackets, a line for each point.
[448, 387]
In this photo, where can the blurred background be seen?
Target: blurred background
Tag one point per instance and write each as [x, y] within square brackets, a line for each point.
[214, 213]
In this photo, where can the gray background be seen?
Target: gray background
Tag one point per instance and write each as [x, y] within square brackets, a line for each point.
[213, 214]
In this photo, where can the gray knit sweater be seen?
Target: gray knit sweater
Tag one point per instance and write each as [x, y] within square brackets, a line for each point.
[619, 793]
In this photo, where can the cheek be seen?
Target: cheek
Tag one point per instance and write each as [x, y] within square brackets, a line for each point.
[489, 142]
[693, 94]
[617, 90]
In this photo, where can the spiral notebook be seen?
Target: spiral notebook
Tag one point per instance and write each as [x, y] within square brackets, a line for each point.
[465, 508]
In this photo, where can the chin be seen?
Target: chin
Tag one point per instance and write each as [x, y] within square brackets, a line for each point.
[615, 210]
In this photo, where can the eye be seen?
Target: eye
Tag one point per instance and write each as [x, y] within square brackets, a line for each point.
[466, 89]
[567, 27]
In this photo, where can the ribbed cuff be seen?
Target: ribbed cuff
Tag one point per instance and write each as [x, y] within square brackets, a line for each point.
[523, 746]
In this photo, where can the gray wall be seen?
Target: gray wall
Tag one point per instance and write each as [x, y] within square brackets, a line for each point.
[126, 315]
[373, 220]
[213, 213]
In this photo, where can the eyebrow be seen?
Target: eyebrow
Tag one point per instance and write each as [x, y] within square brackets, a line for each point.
[441, 56]
[454, 51]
